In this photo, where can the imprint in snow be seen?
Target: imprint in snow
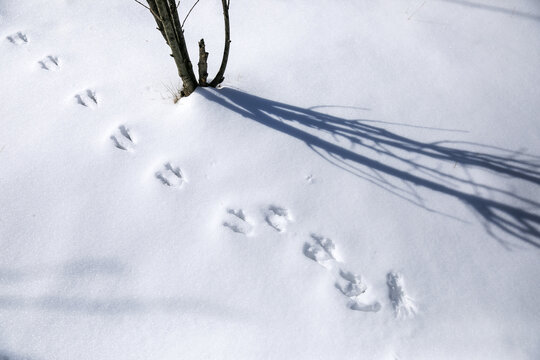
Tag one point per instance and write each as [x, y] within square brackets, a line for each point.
[403, 305]
[235, 227]
[18, 39]
[317, 254]
[87, 98]
[237, 222]
[277, 217]
[358, 306]
[350, 284]
[50, 63]
[327, 245]
[238, 213]
[171, 176]
[122, 139]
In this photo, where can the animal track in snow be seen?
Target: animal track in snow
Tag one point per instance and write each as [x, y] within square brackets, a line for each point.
[277, 217]
[50, 62]
[404, 306]
[322, 250]
[350, 284]
[237, 222]
[327, 245]
[122, 139]
[87, 98]
[171, 176]
[355, 305]
[18, 39]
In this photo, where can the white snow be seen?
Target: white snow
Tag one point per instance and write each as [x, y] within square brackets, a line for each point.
[394, 142]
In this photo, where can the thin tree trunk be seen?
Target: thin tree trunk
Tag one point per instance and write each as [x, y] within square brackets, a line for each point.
[219, 77]
[175, 38]
[180, 37]
[165, 14]
[155, 13]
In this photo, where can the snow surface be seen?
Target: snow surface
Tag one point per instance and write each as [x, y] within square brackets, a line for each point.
[364, 186]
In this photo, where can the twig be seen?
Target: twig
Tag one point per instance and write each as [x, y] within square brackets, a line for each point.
[189, 12]
[140, 3]
[153, 13]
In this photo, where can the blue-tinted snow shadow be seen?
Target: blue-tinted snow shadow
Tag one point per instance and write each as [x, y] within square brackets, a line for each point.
[403, 165]
[6, 355]
[496, 9]
[116, 306]
[84, 273]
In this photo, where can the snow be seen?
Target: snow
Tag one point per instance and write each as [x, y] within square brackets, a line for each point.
[364, 185]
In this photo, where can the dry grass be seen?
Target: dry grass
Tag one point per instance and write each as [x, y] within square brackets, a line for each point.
[174, 91]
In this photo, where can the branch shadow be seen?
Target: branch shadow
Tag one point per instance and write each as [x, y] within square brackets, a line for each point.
[405, 166]
[5, 355]
[499, 9]
[78, 280]
[115, 306]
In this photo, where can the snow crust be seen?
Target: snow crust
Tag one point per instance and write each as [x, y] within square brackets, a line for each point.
[364, 186]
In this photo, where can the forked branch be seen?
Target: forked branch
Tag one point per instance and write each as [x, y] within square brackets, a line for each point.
[165, 13]
[219, 77]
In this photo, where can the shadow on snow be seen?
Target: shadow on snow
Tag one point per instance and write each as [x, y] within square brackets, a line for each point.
[497, 9]
[402, 165]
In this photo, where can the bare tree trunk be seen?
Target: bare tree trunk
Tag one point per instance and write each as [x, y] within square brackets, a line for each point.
[219, 77]
[155, 12]
[203, 64]
[165, 14]
[172, 31]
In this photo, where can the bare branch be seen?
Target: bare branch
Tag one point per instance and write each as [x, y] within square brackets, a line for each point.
[152, 11]
[140, 3]
[177, 43]
[219, 77]
[189, 12]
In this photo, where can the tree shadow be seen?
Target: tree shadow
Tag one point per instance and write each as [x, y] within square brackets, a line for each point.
[78, 279]
[405, 166]
[115, 306]
[499, 9]
[5, 355]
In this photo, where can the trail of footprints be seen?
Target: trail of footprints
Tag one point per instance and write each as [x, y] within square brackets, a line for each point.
[323, 251]
[86, 98]
[169, 175]
[18, 38]
[320, 249]
[121, 138]
[275, 216]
